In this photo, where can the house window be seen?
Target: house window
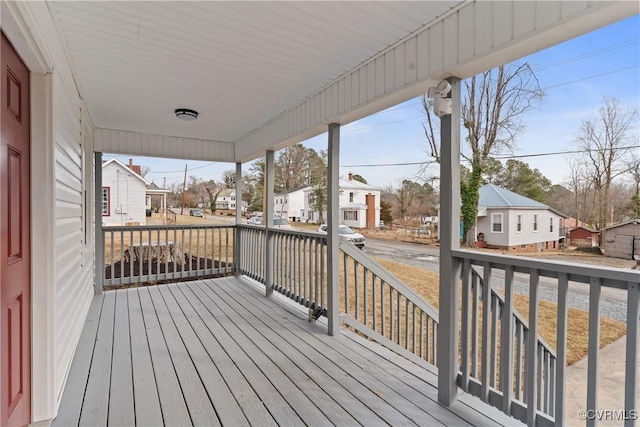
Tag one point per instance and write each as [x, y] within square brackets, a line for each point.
[551, 225]
[350, 197]
[350, 215]
[106, 201]
[496, 223]
[519, 224]
[535, 222]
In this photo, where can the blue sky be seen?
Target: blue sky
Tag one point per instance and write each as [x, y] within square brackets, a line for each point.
[575, 75]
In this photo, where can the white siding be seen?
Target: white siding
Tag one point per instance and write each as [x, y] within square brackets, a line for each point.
[73, 281]
[510, 236]
[127, 194]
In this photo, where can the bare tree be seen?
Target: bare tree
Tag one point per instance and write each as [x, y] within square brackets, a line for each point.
[580, 186]
[633, 169]
[604, 140]
[492, 110]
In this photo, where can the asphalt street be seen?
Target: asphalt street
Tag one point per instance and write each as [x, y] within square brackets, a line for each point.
[613, 302]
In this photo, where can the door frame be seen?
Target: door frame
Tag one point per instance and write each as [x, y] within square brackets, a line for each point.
[17, 23]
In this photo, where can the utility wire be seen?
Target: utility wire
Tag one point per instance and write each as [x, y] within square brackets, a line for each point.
[513, 156]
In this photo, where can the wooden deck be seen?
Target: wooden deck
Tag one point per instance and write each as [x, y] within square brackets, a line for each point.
[217, 352]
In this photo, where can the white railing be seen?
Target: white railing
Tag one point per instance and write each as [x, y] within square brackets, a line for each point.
[523, 377]
[134, 254]
[251, 253]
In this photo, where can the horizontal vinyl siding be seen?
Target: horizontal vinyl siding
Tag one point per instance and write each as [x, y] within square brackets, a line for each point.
[73, 275]
[144, 144]
[472, 38]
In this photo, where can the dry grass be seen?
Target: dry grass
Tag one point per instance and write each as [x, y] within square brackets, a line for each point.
[426, 284]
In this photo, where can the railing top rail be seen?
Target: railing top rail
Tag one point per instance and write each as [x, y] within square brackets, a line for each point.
[383, 274]
[313, 234]
[611, 277]
[108, 228]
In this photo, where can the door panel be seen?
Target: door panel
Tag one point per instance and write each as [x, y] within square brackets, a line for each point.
[15, 223]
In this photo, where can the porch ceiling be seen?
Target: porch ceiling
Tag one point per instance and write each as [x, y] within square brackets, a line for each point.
[267, 74]
[237, 63]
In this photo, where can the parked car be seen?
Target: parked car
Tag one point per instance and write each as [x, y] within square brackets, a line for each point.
[195, 212]
[346, 234]
[255, 220]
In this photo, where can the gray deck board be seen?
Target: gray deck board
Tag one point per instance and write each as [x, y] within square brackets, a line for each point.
[174, 407]
[71, 404]
[217, 352]
[247, 399]
[195, 394]
[361, 395]
[121, 411]
[147, 401]
[277, 406]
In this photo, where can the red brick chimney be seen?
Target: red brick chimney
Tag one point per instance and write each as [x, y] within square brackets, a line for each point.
[134, 168]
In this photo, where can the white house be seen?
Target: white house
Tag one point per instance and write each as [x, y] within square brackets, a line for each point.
[507, 220]
[227, 200]
[291, 204]
[359, 204]
[124, 194]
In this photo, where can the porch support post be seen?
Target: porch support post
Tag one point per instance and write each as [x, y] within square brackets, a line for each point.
[236, 241]
[449, 241]
[267, 217]
[99, 264]
[333, 218]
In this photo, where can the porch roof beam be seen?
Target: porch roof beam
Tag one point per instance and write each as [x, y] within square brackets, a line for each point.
[147, 144]
[471, 38]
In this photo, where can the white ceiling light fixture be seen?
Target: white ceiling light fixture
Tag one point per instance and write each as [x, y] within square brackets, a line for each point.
[186, 114]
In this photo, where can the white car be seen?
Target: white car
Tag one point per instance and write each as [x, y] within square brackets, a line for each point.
[255, 220]
[347, 234]
[282, 224]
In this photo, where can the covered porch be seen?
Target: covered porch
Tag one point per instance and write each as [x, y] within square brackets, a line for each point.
[216, 352]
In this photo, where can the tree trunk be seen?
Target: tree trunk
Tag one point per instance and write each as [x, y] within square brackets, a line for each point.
[470, 238]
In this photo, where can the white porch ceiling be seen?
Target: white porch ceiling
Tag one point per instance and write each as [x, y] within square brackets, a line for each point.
[268, 74]
[239, 64]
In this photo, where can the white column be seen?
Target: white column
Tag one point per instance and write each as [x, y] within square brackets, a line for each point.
[333, 220]
[449, 240]
[267, 217]
[99, 264]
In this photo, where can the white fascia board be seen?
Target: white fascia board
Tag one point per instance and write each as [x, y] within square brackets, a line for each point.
[471, 38]
[144, 144]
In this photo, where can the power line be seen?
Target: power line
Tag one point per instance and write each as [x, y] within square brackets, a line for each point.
[594, 76]
[512, 156]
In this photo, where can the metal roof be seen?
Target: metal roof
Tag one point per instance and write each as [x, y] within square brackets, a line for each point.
[492, 196]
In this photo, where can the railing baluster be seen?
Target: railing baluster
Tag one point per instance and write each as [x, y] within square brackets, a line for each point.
[539, 376]
[382, 311]
[547, 378]
[474, 324]
[486, 318]
[532, 347]
[421, 334]
[356, 286]
[413, 326]
[375, 302]
[464, 324]
[594, 347]
[398, 320]
[506, 343]
[519, 360]
[631, 369]
[561, 348]
[494, 338]
[365, 297]
[391, 318]
[552, 386]
[406, 323]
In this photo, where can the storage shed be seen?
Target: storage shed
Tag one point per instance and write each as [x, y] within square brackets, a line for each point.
[622, 240]
[584, 237]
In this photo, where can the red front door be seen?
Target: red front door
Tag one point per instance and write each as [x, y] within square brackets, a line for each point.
[15, 251]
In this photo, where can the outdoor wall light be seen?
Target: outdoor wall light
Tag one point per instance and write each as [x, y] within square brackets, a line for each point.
[186, 114]
[441, 104]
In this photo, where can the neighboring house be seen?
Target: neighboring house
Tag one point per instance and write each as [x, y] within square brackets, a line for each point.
[621, 240]
[291, 204]
[123, 195]
[584, 237]
[509, 221]
[227, 200]
[359, 204]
